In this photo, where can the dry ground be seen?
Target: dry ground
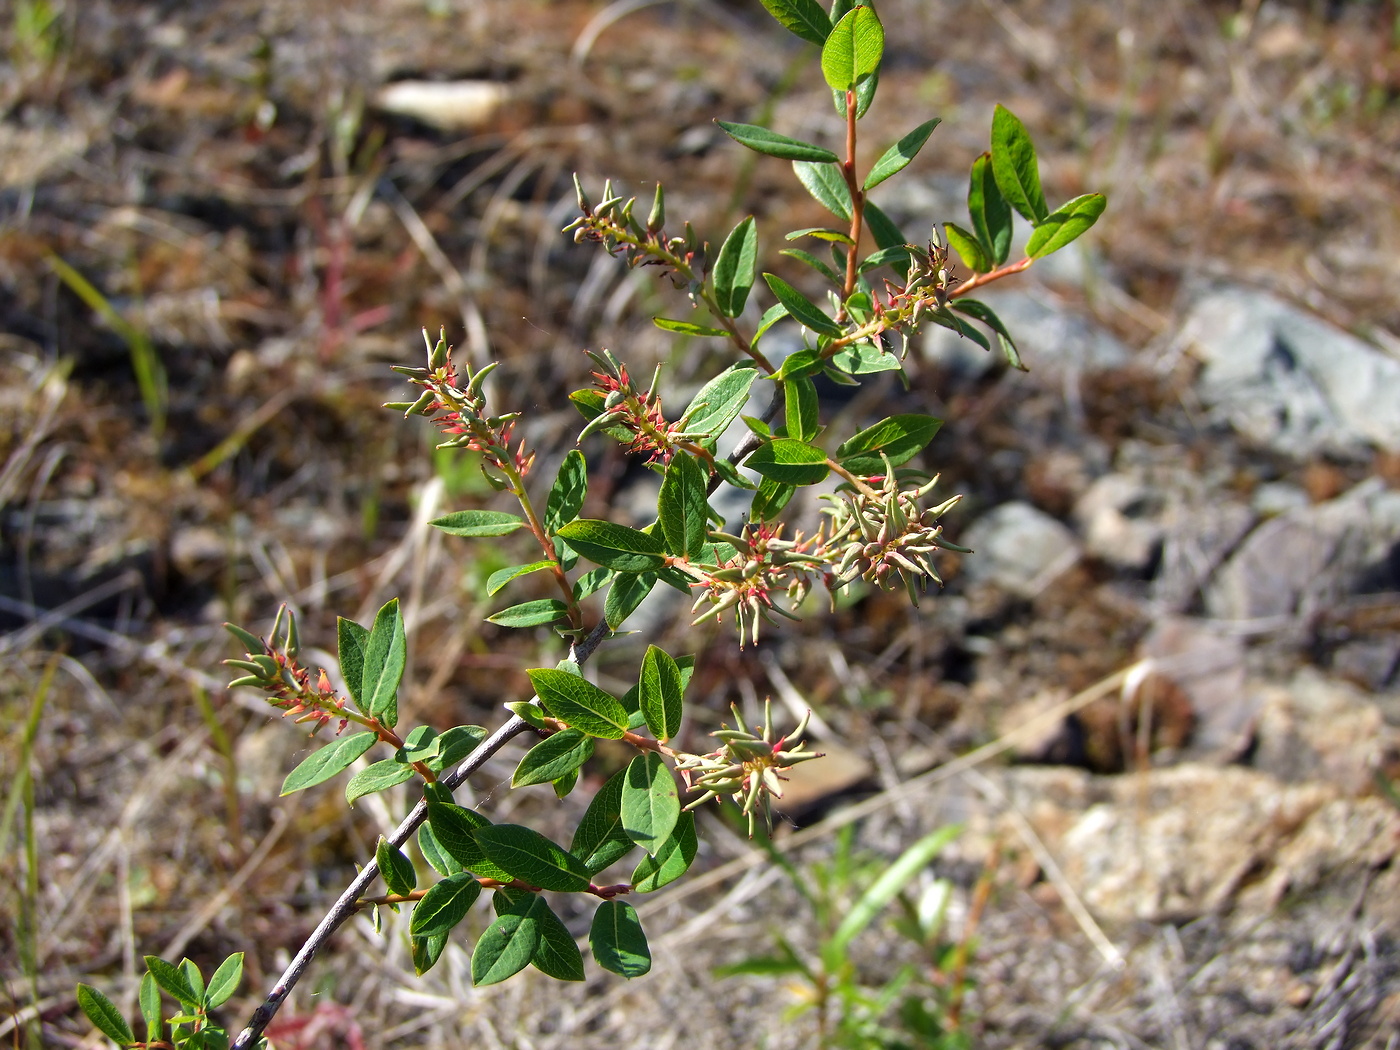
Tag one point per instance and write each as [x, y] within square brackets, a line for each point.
[218, 172]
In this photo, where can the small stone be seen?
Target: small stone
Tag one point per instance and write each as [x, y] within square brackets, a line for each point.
[1118, 519]
[1019, 548]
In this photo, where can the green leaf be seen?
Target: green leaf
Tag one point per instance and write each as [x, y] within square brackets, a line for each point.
[386, 652]
[557, 954]
[419, 746]
[800, 405]
[865, 94]
[454, 830]
[984, 313]
[762, 140]
[666, 324]
[442, 862]
[734, 268]
[614, 546]
[579, 703]
[884, 889]
[771, 316]
[626, 593]
[802, 309]
[104, 1015]
[822, 233]
[991, 215]
[456, 744]
[336, 757]
[900, 438]
[150, 1008]
[444, 905]
[853, 49]
[671, 860]
[617, 940]
[789, 461]
[954, 323]
[351, 639]
[501, 577]
[553, 757]
[892, 257]
[798, 363]
[226, 980]
[530, 614]
[478, 523]
[378, 777]
[565, 784]
[720, 401]
[567, 493]
[975, 255]
[531, 713]
[682, 507]
[1065, 224]
[771, 498]
[396, 869]
[811, 260]
[864, 358]
[802, 17]
[650, 802]
[591, 582]
[825, 183]
[173, 982]
[504, 949]
[600, 839]
[530, 857]
[427, 951]
[898, 156]
[1014, 166]
[193, 976]
[660, 693]
[886, 233]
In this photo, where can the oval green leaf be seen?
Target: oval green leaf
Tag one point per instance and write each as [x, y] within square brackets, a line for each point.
[530, 614]
[579, 703]
[501, 577]
[853, 49]
[1014, 166]
[618, 941]
[600, 839]
[650, 802]
[900, 438]
[802, 17]
[553, 757]
[377, 777]
[898, 156]
[687, 328]
[975, 255]
[827, 186]
[567, 493]
[504, 949]
[530, 857]
[671, 860]
[659, 693]
[734, 268]
[614, 546]
[396, 869]
[802, 309]
[720, 401]
[1065, 224]
[104, 1015]
[762, 140]
[682, 506]
[444, 905]
[321, 765]
[789, 461]
[991, 215]
[478, 523]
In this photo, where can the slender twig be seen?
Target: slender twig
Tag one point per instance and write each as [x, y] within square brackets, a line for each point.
[348, 902]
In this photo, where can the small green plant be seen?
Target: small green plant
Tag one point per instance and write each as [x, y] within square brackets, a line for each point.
[880, 523]
[916, 1006]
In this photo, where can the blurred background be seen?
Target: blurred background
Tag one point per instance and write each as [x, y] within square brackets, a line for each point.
[222, 220]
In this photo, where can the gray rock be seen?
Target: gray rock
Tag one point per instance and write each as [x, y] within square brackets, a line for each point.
[1308, 558]
[1200, 533]
[1019, 548]
[1117, 517]
[1288, 380]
